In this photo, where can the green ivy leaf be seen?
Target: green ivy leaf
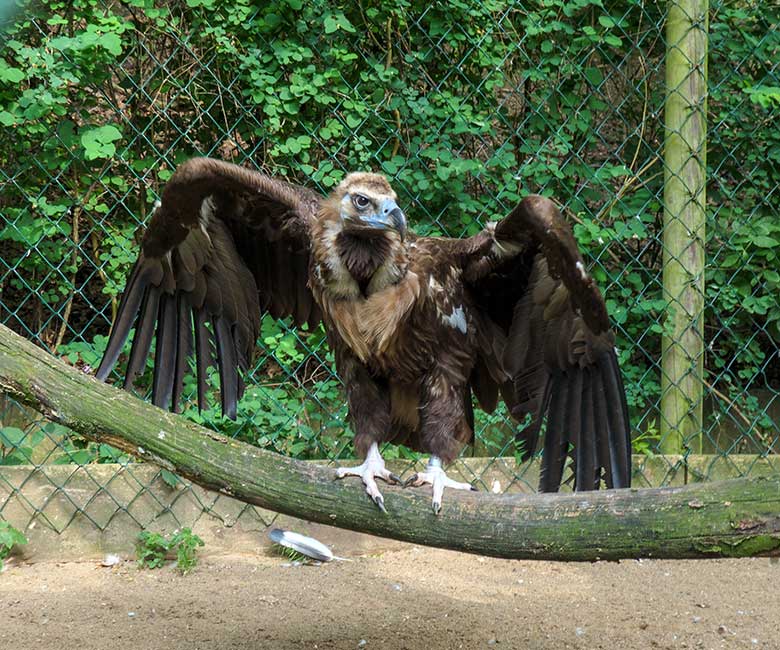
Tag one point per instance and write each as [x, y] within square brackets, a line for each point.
[170, 479]
[765, 96]
[763, 241]
[11, 436]
[594, 76]
[772, 276]
[331, 24]
[111, 43]
[335, 22]
[13, 75]
[10, 536]
[99, 142]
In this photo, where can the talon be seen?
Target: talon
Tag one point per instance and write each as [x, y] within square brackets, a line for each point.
[372, 468]
[410, 480]
[396, 479]
[474, 488]
[438, 479]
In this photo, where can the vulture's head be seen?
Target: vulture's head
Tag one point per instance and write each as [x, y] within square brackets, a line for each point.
[367, 204]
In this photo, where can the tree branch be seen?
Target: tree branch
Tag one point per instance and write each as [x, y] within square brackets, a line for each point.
[729, 518]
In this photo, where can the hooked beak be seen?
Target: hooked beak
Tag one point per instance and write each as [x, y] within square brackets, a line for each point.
[389, 216]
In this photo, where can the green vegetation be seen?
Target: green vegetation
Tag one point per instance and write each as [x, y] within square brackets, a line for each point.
[291, 554]
[466, 106]
[52, 444]
[153, 549]
[9, 537]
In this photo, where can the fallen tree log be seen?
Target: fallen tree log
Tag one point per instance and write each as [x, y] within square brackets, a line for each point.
[735, 518]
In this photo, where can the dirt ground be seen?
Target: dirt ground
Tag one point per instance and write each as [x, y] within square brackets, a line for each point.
[405, 599]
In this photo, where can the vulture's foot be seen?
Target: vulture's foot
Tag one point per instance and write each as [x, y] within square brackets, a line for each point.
[435, 475]
[373, 467]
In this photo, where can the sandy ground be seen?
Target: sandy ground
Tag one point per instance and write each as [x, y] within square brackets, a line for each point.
[410, 598]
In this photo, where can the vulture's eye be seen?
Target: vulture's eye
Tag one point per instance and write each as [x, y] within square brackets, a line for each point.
[360, 201]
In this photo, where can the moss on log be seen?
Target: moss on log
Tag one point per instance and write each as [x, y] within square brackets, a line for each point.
[726, 519]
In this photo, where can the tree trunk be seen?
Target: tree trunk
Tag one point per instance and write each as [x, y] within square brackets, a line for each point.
[730, 518]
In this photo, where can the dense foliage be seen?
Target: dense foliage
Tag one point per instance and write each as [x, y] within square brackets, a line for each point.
[465, 105]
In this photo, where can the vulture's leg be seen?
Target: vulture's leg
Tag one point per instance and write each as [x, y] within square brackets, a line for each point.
[369, 413]
[435, 475]
[445, 426]
[373, 467]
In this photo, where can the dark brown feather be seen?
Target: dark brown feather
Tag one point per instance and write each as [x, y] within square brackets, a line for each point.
[555, 438]
[142, 341]
[203, 355]
[228, 367]
[363, 253]
[484, 386]
[557, 337]
[599, 417]
[142, 276]
[183, 349]
[417, 324]
[165, 351]
[585, 449]
[200, 250]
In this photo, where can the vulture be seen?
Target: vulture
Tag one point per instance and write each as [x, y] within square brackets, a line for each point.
[421, 327]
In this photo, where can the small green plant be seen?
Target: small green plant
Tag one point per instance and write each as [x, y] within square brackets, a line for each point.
[291, 554]
[151, 550]
[647, 441]
[186, 544]
[9, 537]
[154, 548]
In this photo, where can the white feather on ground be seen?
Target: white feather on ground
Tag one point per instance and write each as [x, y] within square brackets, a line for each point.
[307, 546]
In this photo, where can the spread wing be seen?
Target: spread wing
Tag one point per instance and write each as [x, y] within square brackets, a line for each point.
[547, 347]
[225, 244]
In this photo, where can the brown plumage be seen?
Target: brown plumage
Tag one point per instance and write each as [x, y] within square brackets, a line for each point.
[417, 324]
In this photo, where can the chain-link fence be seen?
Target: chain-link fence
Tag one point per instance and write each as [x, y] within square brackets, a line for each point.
[465, 106]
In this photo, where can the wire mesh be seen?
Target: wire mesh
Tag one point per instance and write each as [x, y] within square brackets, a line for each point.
[466, 107]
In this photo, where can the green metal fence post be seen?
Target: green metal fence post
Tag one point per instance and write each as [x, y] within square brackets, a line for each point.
[684, 223]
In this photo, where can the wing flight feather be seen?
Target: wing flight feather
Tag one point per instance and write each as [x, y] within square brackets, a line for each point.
[225, 244]
[558, 351]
